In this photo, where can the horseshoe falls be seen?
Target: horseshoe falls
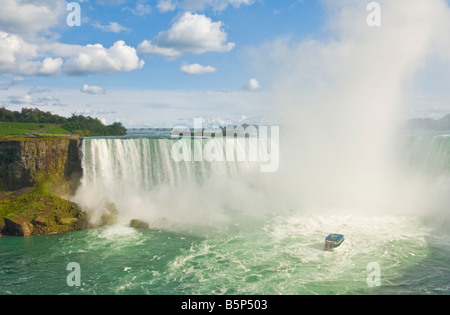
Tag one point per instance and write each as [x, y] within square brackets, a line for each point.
[143, 180]
[226, 228]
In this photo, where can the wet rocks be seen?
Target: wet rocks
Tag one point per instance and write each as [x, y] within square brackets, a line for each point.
[138, 224]
[18, 226]
[108, 219]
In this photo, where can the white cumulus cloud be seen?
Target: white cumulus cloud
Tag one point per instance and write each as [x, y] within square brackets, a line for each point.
[20, 57]
[98, 59]
[19, 16]
[197, 69]
[191, 34]
[43, 57]
[252, 85]
[26, 48]
[92, 89]
[51, 66]
[13, 47]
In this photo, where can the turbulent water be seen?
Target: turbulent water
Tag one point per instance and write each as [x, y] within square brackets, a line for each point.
[207, 236]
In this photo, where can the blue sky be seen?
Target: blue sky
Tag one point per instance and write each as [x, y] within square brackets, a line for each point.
[246, 26]
[162, 62]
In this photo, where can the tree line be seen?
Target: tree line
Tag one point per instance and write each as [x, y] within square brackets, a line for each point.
[76, 124]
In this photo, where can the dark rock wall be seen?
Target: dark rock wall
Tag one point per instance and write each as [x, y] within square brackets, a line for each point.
[23, 163]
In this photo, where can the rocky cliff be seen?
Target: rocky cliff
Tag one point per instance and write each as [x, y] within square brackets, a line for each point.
[34, 174]
[23, 163]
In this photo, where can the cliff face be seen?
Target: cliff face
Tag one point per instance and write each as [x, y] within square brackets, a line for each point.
[24, 163]
[34, 173]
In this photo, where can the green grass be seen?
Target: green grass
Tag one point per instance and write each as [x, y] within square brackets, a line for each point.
[17, 129]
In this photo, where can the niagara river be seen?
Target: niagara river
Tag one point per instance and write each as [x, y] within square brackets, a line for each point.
[212, 230]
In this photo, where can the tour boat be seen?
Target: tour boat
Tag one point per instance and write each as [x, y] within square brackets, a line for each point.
[334, 241]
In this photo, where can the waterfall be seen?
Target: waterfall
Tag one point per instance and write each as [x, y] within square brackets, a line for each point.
[139, 178]
[429, 154]
[425, 168]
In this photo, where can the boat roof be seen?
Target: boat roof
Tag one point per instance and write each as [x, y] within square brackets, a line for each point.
[334, 237]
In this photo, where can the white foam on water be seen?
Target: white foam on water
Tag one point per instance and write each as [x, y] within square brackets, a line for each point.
[286, 254]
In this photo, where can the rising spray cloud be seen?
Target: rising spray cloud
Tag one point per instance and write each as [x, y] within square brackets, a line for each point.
[342, 96]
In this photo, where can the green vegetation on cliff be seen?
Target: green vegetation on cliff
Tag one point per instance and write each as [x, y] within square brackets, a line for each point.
[39, 211]
[38, 122]
[34, 174]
